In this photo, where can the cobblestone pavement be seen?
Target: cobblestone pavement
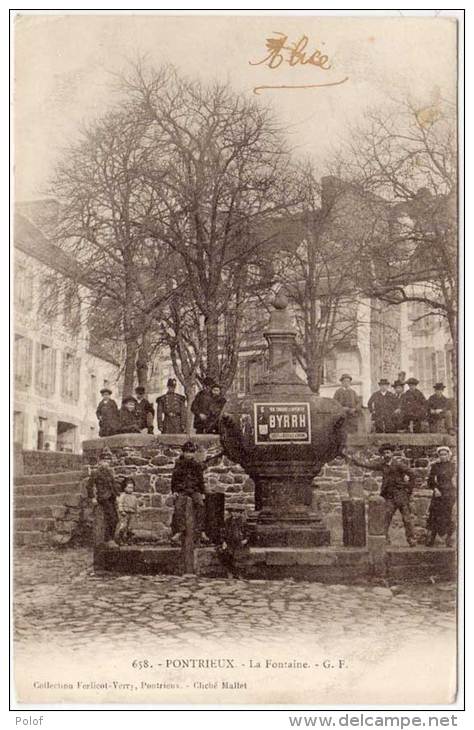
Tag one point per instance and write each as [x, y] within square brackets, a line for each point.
[58, 596]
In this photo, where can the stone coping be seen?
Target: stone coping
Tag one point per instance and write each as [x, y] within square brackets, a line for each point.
[205, 440]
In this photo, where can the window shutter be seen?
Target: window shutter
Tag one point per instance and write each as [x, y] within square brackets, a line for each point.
[52, 371]
[77, 378]
[63, 375]
[38, 366]
[29, 361]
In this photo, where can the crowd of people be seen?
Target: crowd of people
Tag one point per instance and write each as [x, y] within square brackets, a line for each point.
[137, 414]
[397, 408]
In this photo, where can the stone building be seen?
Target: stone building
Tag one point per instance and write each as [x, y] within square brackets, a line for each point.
[58, 371]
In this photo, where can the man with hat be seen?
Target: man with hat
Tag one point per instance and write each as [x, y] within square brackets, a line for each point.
[440, 417]
[171, 410]
[145, 410]
[398, 482]
[441, 481]
[107, 414]
[187, 480]
[398, 390]
[381, 405]
[203, 407]
[350, 402]
[413, 407]
[129, 417]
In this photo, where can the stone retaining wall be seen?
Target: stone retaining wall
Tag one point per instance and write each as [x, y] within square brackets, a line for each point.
[150, 460]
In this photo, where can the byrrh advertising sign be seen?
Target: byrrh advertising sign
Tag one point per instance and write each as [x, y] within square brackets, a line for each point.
[282, 423]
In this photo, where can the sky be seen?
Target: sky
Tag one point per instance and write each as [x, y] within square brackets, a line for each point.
[65, 69]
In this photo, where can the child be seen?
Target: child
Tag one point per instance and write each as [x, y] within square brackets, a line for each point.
[440, 480]
[397, 486]
[103, 491]
[187, 480]
[127, 504]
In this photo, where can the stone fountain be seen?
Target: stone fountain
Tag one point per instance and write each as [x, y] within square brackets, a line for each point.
[282, 434]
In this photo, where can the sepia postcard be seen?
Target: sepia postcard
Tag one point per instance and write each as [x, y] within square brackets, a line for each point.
[236, 370]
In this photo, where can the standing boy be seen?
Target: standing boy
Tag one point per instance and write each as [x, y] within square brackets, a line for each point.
[349, 400]
[397, 485]
[129, 416]
[127, 505]
[103, 491]
[187, 480]
[440, 417]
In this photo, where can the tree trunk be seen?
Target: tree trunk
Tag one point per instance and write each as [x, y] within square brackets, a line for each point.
[131, 347]
[313, 373]
[142, 363]
[190, 392]
[212, 345]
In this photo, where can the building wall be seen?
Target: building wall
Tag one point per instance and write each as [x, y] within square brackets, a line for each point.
[57, 380]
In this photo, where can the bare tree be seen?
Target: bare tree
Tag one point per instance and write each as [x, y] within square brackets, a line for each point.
[105, 200]
[222, 173]
[408, 156]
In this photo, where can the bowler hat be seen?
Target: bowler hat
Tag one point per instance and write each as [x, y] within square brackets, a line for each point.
[139, 389]
[189, 446]
[105, 390]
[171, 383]
[412, 381]
[128, 399]
[397, 384]
[384, 448]
[439, 386]
[343, 376]
[383, 381]
[209, 382]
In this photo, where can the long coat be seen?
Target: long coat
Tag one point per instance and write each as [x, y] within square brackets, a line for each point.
[146, 413]
[102, 485]
[108, 416]
[171, 413]
[440, 516]
[203, 403]
[413, 405]
[381, 406]
[349, 400]
[187, 477]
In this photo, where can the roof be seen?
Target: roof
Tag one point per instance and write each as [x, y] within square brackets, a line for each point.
[29, 239]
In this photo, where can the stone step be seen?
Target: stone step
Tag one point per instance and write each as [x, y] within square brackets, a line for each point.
[23, 512]
[37, 490]
[43, 500]
[54, 478]
[33, 523]
[31, 538]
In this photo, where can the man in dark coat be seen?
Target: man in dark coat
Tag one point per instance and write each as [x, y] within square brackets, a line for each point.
[129, 416]
[350, 402]
[171, 410]
[397, 485]
[217, 404]
[413, 405]
[441, 481]
[399, 389]
[103, 490]
[203, 407]
[187, 480]
[145, 410]
[107, 414]
[381, 405]
[440, 417]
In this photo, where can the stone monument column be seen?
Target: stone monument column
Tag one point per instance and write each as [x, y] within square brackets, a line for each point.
[282, 434]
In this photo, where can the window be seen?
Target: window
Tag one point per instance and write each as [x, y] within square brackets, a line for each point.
[45, 375]
[72, 309]
[23, 288]
[430, 366]
[48, 298]
[93, 395]
[23, 361]
[18, 427]
[70, 376]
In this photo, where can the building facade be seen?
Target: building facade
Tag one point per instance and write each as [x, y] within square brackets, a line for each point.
[58, 373]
